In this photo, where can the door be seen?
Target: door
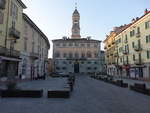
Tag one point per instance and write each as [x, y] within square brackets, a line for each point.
[76, 67]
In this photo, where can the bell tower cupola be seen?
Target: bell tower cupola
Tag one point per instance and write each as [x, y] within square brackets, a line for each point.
[75, 25]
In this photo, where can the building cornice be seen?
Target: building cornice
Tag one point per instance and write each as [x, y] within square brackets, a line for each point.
[133, 23]
[73, 40]
[22, 4]
[28, 20]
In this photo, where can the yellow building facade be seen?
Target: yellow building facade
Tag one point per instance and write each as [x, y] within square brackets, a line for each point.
[12, 39]
[132, 46]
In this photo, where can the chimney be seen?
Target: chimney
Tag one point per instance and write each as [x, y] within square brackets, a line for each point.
[137, 18]
[146, 11]
[133, 20]
[115, 28]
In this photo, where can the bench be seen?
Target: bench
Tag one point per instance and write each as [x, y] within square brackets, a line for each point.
[58, 93]
[21, 93]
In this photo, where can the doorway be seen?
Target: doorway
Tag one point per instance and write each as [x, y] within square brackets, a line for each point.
[76, 67]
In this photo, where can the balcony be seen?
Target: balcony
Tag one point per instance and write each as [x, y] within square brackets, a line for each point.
[2, 4]
[34, 55]
[125, 52]
[6, 52]
[138, 48]
[125, 41]
[13, 33]
[138, 35]
[138, 62]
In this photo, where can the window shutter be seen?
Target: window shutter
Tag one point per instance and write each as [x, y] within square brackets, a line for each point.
[1, 17]
[148, 54]
[16, 13]
[146, 25]
[146, 39]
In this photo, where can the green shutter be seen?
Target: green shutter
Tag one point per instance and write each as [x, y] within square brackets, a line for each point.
[148, 56]
[146, 25]
[146, 39]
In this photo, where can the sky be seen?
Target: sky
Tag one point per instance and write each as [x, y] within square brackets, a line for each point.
[97, 17]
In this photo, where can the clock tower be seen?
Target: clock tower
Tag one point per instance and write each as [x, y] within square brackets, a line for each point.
[75, 25]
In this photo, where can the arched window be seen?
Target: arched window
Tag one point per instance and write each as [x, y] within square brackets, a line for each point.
[89, 54]
[57, 54]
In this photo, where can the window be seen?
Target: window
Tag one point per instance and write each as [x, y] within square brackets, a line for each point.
[65, 55]
[148, 39]
[95, 54]
[82, 45]
[57, 44]
[95, 68]
[88, 45]
[89, 62]
[133, 44]
[147, 25]
[121, 60]
[88, 68]
[76, 44]
[133, 57]
[95, 45]
[70, 62]
[14, 11]
[89, 54]
[70, 55]
[148, 54]
[82, 62]
[83, 55]
[70, 44]
[2, 4]
[132, 33]
[138, 29]
[1, 17]
[64, 44]
[64, 62]
[76, 55]
[126, 37]
[64, 68]
[95, 62]
[127, 48]
[57, 54]
[120, 49]
[57, 68]
[118, 41]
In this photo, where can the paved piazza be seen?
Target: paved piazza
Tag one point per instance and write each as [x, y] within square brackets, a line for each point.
[89, 96]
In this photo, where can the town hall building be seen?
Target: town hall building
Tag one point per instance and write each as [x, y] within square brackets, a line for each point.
[76, 54]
